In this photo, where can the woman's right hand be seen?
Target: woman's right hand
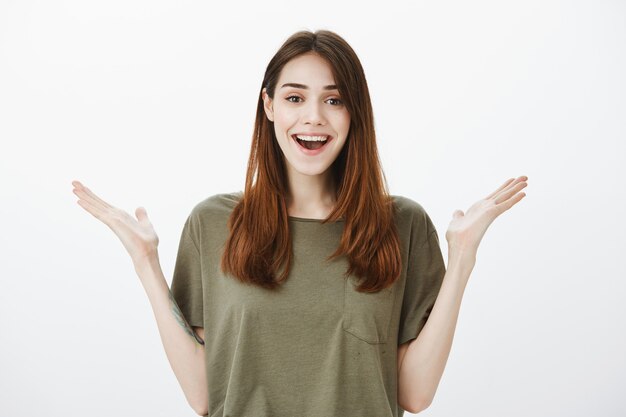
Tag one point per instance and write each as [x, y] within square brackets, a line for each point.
[137, 235]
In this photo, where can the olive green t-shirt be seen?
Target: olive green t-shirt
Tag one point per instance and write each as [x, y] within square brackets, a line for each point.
[316, 347]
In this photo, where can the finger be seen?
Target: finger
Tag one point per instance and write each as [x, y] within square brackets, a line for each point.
[510, 202]
[88, 194]
[507, 182]
[113, 218]
[505, 195]
[507, 186]
[95, 199]
[95, 211]
[142, 215]
[81, 194]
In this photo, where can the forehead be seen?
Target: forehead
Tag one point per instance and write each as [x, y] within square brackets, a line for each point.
[309, 69]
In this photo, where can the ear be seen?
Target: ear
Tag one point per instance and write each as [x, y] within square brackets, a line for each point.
[268, 105]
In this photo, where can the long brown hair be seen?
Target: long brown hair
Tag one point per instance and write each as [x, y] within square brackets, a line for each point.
[259, 241]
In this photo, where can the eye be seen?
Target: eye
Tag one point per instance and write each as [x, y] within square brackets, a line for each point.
[292, 97]
[337, 100]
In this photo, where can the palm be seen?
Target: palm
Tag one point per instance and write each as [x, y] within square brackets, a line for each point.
[467, 229]
[137, 235]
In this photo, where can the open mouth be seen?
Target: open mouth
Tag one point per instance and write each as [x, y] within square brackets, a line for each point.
[312, 145]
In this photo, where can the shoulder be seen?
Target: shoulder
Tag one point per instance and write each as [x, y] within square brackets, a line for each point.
[404, 203]
[409, 208]
[216, 207]
[412, 214]
[222, 202]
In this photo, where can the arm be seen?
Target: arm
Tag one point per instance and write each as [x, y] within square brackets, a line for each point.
[421, 361]
[184, 347]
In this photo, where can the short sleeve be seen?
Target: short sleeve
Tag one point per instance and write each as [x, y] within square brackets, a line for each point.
[425, 272]
[187, 278]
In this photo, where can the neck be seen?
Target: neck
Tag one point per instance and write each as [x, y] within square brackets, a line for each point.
[311, 196]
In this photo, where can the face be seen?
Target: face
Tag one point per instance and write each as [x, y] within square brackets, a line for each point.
[309, 108]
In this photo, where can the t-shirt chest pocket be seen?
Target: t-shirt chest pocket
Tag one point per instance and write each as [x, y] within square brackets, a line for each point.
[367, 316]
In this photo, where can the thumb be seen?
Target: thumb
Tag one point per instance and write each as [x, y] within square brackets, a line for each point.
[457, 213]
[142, 215]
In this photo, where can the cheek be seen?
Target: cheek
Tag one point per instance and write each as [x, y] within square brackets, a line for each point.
[284, 117]
[342, 119]
[344, 125]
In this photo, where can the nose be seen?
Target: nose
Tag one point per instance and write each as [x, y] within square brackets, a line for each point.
[313, 113]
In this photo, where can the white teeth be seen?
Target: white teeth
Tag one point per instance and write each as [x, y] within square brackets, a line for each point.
[313, 138]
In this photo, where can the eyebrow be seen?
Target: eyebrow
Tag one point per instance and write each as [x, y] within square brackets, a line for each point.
[306, 87]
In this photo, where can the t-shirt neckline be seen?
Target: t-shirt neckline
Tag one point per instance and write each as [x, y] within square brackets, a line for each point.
[304, 219]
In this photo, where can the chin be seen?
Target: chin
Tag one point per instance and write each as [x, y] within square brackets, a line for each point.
[309, 170]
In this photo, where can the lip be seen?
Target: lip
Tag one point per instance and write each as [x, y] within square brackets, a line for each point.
[311, 152]
[311, 134]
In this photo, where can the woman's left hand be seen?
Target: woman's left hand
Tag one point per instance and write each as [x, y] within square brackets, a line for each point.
[466, 230]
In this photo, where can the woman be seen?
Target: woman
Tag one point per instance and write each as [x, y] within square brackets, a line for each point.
[313, 292]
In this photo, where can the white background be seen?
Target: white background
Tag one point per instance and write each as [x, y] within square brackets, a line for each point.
[152, 103]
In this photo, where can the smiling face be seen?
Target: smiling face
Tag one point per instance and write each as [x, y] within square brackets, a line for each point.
[307, 102]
